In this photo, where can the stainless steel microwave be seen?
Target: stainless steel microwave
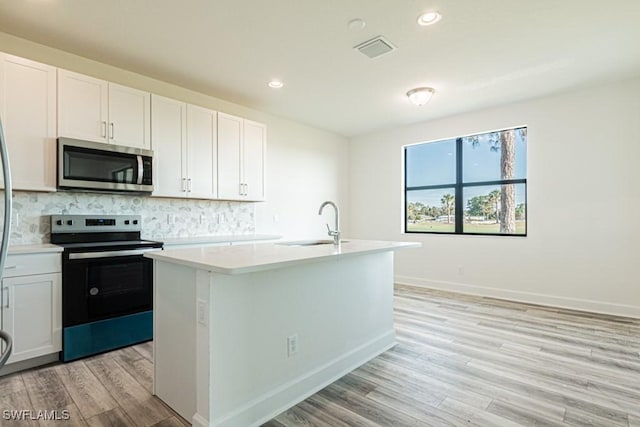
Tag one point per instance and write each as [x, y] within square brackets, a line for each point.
[93, 166]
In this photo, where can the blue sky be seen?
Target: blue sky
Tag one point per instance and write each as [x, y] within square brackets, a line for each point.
[434, 163]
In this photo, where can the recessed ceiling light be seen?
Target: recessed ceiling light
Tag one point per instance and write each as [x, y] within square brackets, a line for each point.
[275, 84]
[420, 95]
[357, 24]
[429, 18]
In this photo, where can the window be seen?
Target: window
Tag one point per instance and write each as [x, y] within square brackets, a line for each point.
[469, 185]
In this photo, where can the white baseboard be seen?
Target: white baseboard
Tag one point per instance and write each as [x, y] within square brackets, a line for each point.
[199, 421]
[265, 407]
[526, 297]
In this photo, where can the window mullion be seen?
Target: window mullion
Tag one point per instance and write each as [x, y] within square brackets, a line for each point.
[459, 208]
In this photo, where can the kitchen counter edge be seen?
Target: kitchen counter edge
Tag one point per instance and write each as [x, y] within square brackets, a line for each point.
[34, 249]
[178, 241]
[268, 256]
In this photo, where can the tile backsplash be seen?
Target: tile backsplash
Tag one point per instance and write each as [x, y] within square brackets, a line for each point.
[161, 218]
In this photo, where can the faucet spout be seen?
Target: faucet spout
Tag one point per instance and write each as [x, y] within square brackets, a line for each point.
[333, 233]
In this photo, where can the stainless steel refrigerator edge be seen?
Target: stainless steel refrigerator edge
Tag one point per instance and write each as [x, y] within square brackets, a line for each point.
[6, 232]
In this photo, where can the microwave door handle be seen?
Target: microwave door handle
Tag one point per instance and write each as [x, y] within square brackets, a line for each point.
[140, 169]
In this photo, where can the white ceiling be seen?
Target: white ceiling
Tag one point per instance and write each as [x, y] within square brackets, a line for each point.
[482, 52]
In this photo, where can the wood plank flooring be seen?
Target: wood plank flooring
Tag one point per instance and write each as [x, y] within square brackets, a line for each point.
[108, 390]
[464, 360]
[460, 360]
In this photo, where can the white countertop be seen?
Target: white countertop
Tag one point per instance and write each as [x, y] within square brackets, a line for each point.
[217, 239]
[34, 249]
[266, 256]
[200, 240]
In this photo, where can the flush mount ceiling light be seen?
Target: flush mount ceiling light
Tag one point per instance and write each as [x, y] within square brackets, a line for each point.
[420, 95]
[275, 84]
[429, 18]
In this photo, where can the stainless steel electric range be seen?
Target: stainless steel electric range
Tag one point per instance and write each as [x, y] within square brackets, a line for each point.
[107, 284]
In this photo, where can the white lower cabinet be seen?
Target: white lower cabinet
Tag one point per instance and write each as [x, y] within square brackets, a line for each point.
[31, 305]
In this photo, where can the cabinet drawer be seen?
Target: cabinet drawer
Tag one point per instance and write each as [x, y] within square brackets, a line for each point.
[26, 264]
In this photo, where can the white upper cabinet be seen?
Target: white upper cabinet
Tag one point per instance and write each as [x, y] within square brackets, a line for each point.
[83, 107]
[129, 117]
[184, 142]
[202, 152]
[229, 148]
[253, 159]
[169, 134]
[241, 158]
[95, 110]
[28, 113]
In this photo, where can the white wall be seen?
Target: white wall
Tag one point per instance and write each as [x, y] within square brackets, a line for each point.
[305, 166]
[583, 244]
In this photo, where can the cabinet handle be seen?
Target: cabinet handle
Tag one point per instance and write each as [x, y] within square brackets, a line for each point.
[189, 185]
[184, 184]
[246, 189]
[241, 190]
[111, 129]
[104, 129]
[6, 289]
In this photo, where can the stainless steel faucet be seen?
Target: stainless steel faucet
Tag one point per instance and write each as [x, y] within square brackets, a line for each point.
[334, 233]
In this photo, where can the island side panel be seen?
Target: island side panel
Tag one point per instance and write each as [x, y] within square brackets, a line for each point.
[340, 309]
[174, 338]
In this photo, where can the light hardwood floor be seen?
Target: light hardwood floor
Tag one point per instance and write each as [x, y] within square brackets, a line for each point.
[463, 360]
[460, 360]
[109, 390]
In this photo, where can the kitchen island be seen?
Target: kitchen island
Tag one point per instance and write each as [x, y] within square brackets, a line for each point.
[241, 333]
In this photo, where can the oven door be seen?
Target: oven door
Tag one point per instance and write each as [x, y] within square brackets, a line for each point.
[102, 285]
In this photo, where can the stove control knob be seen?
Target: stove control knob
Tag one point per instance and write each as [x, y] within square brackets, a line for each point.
[59, 222]
[69, 222]
[135, 222]
[94, 291]
[126, 222]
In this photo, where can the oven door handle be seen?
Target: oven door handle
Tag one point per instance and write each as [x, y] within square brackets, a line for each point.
[110, 254]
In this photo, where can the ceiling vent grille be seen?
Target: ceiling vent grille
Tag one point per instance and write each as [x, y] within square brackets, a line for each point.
[375, 47]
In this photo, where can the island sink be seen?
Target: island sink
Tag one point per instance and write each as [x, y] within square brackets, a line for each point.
[310, 243]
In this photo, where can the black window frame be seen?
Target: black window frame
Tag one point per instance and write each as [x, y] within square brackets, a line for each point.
[458, 187]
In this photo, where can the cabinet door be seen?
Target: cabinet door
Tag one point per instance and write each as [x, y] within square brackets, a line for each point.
[129, 117]
[31, 313]
[229, 143]
[253, 160]
[82, 107]
[28, 112]
[169, 147]
[202, 152]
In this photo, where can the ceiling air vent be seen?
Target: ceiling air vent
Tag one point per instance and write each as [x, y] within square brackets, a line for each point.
[376, 47]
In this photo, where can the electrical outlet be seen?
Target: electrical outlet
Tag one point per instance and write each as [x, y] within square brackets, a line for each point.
[201, 309]
[201, 219]
[292, 345]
